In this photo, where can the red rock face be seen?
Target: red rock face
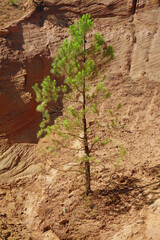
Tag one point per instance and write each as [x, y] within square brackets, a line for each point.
[34, 185]
[25, 60]
[19, 119]
[28, 46]
[27, 50]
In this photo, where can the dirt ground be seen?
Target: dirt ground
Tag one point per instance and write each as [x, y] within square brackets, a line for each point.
[121, 195]
[54, 200]
[11, 10]
[49, 202]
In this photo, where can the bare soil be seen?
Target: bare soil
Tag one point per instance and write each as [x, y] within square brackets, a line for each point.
[121, 195]
[11, 10]
[52, 200]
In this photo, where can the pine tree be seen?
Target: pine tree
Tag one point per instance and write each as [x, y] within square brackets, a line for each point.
[78, 61]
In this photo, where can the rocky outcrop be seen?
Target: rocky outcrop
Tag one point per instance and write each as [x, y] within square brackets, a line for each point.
[101, 8]
[146, 49]
[28, 47]
[150, 225]
[25, 59]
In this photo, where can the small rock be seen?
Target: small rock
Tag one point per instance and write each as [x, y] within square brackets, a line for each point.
[64, 221]
[140, 221]
[6, 233]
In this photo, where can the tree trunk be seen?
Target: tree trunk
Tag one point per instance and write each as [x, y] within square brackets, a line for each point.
[86, 151]
[85, 137]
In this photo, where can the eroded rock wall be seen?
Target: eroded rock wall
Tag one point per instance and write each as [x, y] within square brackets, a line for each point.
[28, 46]
[146, 49]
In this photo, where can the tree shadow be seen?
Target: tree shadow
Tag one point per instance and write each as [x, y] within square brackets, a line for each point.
[127, 192]
[155, 171]
[15, 38]
[58, 19]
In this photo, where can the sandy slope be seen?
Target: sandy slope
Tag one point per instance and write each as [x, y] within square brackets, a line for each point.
[43, 194]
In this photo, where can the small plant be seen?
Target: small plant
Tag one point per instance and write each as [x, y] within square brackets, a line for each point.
[119, 105]
[122, 154]
[78, 61]
[87, 200]
[14, 2]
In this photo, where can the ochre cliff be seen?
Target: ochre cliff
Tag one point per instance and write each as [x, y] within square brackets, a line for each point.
[28, 46]
[32, 191]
